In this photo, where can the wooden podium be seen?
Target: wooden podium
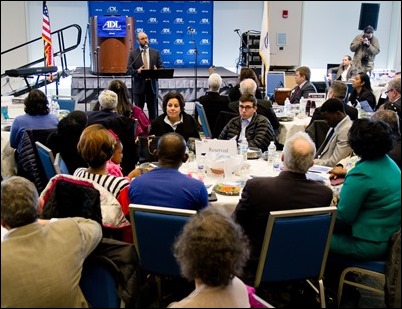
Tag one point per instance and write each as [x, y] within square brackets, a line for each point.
[110, 55]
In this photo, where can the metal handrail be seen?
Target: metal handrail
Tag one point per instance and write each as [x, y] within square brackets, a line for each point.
[61, 51]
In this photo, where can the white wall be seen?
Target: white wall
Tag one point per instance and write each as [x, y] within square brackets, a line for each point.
[326, 31]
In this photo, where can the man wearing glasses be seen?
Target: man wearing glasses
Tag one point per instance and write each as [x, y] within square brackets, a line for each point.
[145, 90]
[394, 97]
[249, 125]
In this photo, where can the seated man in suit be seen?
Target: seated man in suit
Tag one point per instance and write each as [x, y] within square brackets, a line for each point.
[394, 97]
[304, 86]
[212, 101]
[264, 194]
[335, 146]
[345, 71]
[249, 125]
[338, 90]
[165, 185]
[264, 107]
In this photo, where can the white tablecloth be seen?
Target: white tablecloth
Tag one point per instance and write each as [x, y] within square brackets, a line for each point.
[257, 168]
[287, 129]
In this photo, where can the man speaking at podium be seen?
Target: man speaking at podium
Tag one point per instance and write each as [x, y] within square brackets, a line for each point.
[145, 89]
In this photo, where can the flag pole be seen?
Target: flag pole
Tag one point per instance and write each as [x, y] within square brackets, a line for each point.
[265, 45]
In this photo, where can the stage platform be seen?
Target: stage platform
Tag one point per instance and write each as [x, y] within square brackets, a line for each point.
[183, 81]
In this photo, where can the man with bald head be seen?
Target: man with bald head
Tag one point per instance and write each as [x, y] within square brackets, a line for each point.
[165, 185]
[289, 190]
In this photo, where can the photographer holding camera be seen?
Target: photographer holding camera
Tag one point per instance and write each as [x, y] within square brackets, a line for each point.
[365, 47]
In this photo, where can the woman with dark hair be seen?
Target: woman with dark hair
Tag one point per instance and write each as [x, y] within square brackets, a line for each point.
[125, 108]
[96, 147]
[174, 118]
[234, 93]
[65, 139]
[369, 208]
[212, 250]
[362, 90]
[36, 116]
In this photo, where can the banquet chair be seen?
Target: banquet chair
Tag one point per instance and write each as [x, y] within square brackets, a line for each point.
[222, 120]
[99, 285]
[374, 269]
[154, 232]
[59, 165]
[318, 131]
[378, 270]
[46, 158]
[295, 247]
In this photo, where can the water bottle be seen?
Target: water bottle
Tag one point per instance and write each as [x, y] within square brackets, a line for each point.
[271, 152]
[288, 106]
[201, 168]
[243, 147]
[312, 108]
[308, 106]
[54, 108]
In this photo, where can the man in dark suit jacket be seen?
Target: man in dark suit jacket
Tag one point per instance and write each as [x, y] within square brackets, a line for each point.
[304, 86]
[289, 190]
[145, 90]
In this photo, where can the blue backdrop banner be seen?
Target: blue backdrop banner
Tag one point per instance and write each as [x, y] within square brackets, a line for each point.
[181, 30]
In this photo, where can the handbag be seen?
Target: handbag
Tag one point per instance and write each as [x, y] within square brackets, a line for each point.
[146, 148]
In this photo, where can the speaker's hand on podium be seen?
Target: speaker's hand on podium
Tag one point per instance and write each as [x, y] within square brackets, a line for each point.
[140, 69]
[155, 67]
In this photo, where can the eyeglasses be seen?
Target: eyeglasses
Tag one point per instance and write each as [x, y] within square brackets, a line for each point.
[386, 92]
[247, 107]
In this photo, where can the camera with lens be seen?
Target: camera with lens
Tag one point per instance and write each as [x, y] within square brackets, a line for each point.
[365, 59]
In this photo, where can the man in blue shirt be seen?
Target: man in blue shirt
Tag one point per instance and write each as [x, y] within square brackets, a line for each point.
[165, 185]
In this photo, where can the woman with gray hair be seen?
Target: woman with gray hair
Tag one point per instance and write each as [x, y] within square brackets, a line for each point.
[123, 126]
[212, 250]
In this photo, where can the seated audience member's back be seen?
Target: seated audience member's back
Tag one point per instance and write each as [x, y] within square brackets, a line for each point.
[212, 251]
[212, 101]
[37, 116]
[123, 126]
[41, 261]
[289, 190]
[165, 185]
[65, 139]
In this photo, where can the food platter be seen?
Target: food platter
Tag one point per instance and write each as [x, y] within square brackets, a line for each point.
[285, 119]
[227, 189]
[148, 166]
[253, 153]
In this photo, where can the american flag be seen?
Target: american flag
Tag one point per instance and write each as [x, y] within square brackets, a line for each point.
[46, 36]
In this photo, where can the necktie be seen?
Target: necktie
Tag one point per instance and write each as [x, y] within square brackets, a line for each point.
[322, 147]
[294, 94]
[145, 58]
